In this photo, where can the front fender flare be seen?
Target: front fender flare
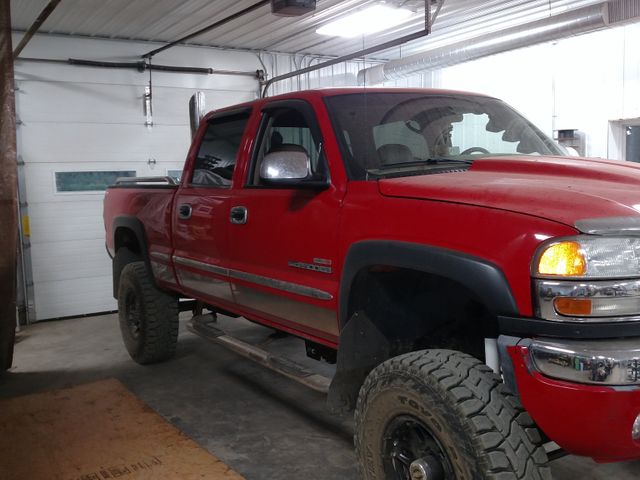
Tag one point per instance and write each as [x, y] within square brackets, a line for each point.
[485, 279]
[362, 345]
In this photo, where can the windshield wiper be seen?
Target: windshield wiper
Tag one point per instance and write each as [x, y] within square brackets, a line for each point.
[426, 161]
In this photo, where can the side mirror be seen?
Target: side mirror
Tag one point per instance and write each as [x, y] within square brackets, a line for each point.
[292, 169]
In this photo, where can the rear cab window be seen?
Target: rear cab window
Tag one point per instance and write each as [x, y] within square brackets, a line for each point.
[218, 151]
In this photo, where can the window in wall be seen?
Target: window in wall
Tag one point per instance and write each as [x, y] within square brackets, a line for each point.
[175, 174]
[94, 181]
[632, 137]
[219, 150]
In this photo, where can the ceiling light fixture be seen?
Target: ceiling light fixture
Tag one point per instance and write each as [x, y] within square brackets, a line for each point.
[369, 20]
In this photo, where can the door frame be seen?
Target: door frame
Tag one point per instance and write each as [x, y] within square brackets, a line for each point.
[617, 145]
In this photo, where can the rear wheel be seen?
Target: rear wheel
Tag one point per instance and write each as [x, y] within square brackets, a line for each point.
[148, 316]
[443, 415]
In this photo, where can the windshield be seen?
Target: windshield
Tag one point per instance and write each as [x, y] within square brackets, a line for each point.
[398, 133]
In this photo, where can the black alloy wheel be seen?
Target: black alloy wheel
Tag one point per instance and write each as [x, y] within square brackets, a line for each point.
[412, 452]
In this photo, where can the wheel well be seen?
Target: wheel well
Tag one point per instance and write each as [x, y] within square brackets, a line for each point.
[395, 310]
[416, 310]
[128, 249]
[125, 237]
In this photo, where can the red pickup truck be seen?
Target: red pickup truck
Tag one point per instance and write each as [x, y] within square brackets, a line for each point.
[478, 288]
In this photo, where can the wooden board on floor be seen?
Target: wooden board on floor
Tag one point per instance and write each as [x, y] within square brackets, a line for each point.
[97, 431]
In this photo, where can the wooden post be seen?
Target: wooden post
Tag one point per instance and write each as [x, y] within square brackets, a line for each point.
[8, 191]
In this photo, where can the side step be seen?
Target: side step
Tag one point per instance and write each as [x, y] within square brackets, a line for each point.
[205, 326]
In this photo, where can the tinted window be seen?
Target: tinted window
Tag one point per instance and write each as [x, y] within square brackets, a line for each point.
[218, 151]
[399, 133]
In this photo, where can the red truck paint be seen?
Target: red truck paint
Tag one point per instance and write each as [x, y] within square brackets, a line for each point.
[578, 416]
[501, 210]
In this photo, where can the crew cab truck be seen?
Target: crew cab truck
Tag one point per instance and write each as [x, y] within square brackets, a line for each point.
[478, 288]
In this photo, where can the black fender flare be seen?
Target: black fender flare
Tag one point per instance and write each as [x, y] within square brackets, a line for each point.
[362, 345]
[485, 279]
[124, 257]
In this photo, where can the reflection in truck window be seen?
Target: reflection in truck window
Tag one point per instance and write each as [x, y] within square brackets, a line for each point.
[219, 150]
[401, 133]
[287, 130]
[473, 131]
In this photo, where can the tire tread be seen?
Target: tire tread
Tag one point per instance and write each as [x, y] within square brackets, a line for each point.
[160, 311]
[506, 441]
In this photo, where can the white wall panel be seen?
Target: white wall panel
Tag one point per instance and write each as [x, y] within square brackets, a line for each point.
[631, 74]
[91, 119]
[579, 83]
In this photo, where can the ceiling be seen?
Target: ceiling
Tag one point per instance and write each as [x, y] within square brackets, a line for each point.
[168, 20]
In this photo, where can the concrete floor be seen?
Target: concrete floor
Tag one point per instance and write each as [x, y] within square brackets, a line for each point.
[261, 424]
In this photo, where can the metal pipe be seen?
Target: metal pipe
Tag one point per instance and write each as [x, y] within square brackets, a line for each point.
[8, 191]
[344, 58]
[44, 14]
[567, 24]
[208, 28]
[361, 53]
[142, 66]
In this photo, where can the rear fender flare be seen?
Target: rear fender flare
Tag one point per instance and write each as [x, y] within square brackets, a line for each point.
[124, 257]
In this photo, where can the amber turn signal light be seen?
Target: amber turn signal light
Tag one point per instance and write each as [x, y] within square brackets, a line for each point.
[573, 307]
[563, 259]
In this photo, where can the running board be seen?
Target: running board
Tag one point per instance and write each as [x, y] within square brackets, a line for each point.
[205, 327]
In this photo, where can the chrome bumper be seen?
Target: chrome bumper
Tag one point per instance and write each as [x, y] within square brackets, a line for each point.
[597, 362]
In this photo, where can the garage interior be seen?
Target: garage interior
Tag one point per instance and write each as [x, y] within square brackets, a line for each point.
[97, 90]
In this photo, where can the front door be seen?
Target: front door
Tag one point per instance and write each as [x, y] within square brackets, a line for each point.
[285, 240]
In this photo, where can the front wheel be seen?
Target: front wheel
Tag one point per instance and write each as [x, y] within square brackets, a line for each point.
[444, 415]
[148, 316]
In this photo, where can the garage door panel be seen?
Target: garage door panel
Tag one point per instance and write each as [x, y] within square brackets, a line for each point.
[70, 227]
[81, 102]
[65, 261]
[66, 143]
[63, 298]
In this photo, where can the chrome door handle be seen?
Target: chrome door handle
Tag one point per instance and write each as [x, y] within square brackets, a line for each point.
[184, 211]
[238, 215]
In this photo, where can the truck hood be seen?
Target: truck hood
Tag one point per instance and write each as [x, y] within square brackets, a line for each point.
[562, 189]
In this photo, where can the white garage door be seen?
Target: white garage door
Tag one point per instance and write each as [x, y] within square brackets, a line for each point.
[79, 130]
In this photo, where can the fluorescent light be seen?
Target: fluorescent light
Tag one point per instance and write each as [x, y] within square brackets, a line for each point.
[369, 20]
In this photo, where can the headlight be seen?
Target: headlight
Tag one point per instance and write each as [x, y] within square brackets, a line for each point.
[588, 278]
[588, 256]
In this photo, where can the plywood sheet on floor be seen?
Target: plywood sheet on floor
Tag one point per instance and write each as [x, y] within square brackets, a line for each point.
[97, 431]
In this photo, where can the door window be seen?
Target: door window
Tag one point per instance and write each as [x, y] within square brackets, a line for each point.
[218, 151]
[287, 129]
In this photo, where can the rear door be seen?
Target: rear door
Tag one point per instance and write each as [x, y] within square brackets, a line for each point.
[284, 241]
[201, 209]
